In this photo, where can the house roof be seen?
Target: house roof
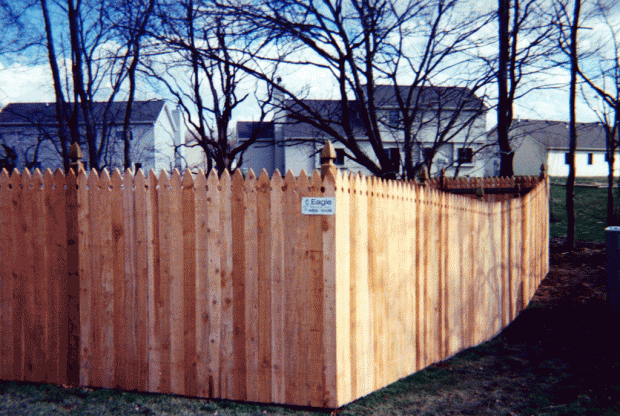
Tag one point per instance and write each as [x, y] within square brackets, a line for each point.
[296, 125]
[143, 112]
[554, 134]
[428, 96]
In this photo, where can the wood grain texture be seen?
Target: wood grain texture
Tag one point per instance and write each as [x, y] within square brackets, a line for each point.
[218, 287]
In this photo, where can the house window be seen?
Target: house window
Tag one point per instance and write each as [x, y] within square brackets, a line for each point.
[590, 158]
[394, 118]
[339, 161]
[119, 135]
[465, 155]
[394, 156]
[427, 154]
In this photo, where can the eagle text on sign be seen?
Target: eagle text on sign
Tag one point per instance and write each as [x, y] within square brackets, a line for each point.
[318, 206]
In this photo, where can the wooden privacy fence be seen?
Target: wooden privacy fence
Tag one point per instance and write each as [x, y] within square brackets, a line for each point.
[220, 287]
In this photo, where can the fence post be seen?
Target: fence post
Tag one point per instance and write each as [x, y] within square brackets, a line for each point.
[328, 154]
[75, 155]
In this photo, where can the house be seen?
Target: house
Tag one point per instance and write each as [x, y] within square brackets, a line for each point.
[29, 134]
[544, 141]
[449, 128]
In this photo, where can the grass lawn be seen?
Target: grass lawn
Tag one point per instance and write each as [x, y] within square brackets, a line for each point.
[590, 211]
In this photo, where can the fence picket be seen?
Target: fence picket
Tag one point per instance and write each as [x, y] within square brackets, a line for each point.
[176, 305]
[221, 288]
[214, 285]
[7, 282]
[238, 270]
[143, 252]
[120, 248]
[276, 312]
[188, 215]
[227, 362]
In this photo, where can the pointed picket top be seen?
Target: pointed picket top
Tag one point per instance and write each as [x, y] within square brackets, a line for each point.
[59, 179]
[26, 179]
[316, 181]
[237, 176]
[250, 182]
[37, 172]
[262, 184]
[175, 178]
[290, 176]
[225, 179]
[4, 178]
[200, 182]
[37, 179]
[139, 179]
[303, 183]
[276, 181]
[290, 183]
[128, 179]
[188, 179]
[212, 181]
[163, 181]
[93, 179]
[117, 179]
[15, 179]
[48, 178]
[104, 178]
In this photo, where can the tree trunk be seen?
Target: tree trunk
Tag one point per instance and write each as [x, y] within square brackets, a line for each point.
[570, 183]
[503, 105]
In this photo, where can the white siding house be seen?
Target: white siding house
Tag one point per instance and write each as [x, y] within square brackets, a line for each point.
[293, 144]
[30, 130]
[543, 141]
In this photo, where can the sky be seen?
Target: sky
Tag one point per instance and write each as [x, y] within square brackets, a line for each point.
[20, 83]
[33, 84]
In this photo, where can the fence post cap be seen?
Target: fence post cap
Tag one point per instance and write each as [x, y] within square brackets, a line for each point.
[328, 154]
[75, 152]
[543, 171]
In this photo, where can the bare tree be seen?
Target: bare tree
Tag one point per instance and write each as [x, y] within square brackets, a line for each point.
[104, 50]
[200, 65]
[524, 32]
[363, 46]
[570, 25]
[603, 78]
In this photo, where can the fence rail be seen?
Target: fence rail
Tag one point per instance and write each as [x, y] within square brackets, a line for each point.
[220, 287]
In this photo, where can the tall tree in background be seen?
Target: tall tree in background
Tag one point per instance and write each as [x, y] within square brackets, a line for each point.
[569, 28]
[362, 46]
[504, 113]
[200, 64]
[524, 30]
[133, 24]
[603, 78]
[87, 34]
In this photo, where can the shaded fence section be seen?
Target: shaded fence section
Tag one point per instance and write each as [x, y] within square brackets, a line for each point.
[220, 287]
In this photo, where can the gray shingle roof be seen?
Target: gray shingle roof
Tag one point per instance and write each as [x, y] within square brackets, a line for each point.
[554, 134]
[45, 113]
[429, 97]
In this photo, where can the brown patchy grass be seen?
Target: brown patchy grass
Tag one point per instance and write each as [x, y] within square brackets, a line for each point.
[560, 356]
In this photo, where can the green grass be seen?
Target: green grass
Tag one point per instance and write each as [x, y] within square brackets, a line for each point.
[590, 212]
